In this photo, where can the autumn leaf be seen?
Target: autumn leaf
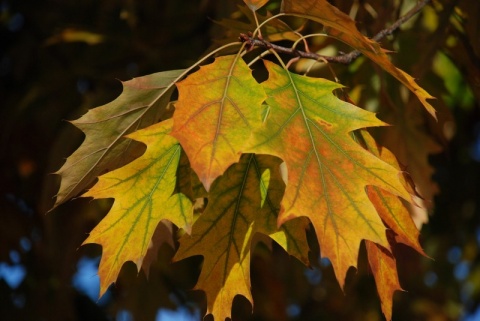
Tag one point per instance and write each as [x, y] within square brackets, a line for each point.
[216, 110]
[391, 209]
[105, 148]
[384, 269]
[76, 35]
[342, 27]
[164, 232]
[224, 233]
[309, 128]
[143, 197]
[396, 216]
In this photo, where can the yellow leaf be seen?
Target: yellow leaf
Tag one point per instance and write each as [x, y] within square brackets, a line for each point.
[342, 27]
[224, 233]
[76, 35]
[310, 129]
[216, 110]
[143, 197]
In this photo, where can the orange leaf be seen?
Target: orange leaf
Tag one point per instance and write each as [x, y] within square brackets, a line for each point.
[342, 27]
[384, 271]
[390, 208]
[396, 216]
[328, 172]
[216, 110]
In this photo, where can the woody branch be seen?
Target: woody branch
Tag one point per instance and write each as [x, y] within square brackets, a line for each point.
[342, 59]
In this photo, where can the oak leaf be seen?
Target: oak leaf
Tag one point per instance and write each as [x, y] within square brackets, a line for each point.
[396, 216]
[105, 148]
[384, 270]
[342, 27]
[216, 110]
[144, 195]
[223, 234]
[164, 233]
[391, 209]
[310, 129]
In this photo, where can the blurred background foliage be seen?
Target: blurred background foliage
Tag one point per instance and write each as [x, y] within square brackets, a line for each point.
[60, 58]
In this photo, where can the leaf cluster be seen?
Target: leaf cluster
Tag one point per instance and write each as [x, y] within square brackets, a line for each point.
[266, 157]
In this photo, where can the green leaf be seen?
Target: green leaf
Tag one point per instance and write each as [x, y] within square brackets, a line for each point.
[142, 103]
[310, 129]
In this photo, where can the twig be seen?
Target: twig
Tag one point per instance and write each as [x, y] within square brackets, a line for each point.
[342, 59]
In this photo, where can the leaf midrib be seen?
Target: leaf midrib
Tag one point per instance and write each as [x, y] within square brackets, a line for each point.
[118, 137]
[146, 199]
[306, 120]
